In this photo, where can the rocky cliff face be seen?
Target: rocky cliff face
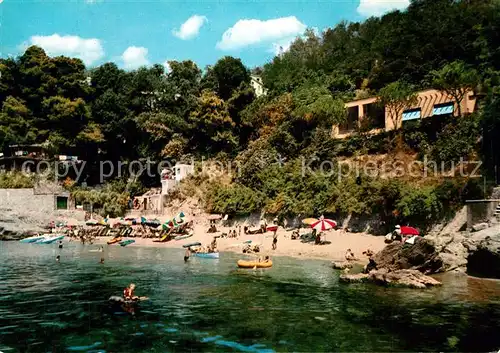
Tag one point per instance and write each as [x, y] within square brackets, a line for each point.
[484, 253]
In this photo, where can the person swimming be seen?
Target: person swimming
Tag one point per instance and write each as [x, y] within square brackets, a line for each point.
[128, 293]
[58, 258]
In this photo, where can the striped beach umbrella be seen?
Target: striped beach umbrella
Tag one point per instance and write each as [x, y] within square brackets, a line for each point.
[324, 224]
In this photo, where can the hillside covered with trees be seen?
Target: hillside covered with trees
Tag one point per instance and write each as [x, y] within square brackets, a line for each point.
[106, 113]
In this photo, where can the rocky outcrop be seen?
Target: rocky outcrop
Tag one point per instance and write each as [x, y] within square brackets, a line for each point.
[401, 264]
[342, 265]
[356, 278]
[399, 278]
[451, 251]
[403, 278]
[484, 253]
[422, 256]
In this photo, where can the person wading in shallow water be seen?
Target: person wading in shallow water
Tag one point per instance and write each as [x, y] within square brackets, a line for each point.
[60, 244]
[187, 254]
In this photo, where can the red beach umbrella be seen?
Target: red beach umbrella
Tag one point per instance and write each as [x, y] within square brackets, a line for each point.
[409, 231]
[324, 224]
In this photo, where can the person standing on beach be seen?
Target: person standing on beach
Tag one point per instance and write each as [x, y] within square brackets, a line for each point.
[275, 239]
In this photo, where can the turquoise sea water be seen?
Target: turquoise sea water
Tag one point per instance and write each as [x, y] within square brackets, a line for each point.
[209, 305]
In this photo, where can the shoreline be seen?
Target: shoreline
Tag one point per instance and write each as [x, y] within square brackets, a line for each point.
[339, 242]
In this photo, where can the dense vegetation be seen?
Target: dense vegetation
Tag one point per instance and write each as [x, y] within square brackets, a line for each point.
[122, 115]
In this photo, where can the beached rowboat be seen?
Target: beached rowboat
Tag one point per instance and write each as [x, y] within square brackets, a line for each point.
[50, 239]
[127, 242]
[32, 239]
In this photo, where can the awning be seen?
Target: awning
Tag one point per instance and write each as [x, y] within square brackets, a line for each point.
[443, 109]
[411, 114]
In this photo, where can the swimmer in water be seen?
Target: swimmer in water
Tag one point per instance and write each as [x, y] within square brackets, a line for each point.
[58, 258]
[102, 260]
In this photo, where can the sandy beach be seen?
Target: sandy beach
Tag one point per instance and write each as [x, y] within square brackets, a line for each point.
[339, 242]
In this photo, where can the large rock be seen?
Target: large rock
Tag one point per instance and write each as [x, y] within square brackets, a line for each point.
[479, 226]
[452, 251]
[484, 256]
[399, 278]
[342, 265]
[421, 256]
[403, 278]
[354, 278]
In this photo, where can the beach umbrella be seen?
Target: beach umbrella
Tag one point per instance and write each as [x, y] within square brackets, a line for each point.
[409, 231]
[324, 224]
[309, 221]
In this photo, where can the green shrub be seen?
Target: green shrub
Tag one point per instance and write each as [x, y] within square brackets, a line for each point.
[457, 140]
[16, 180]
[110, 202]
[235, 199]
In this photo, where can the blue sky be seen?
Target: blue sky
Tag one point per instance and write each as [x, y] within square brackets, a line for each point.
[139, 32]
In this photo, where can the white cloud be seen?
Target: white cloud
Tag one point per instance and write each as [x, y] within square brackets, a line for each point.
[281, 46]
[284, 44]
[135, 57]
[190, 28]
[249, 32]
[167, 67]
[89, 50]
[379, 7]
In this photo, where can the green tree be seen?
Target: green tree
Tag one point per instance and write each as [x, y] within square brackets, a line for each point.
[396, 97]
[455, 79]
[67, 118]
[15, 127]
[227, 75]
[212, 125]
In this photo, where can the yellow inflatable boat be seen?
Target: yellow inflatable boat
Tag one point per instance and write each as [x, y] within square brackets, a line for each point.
[252, 264]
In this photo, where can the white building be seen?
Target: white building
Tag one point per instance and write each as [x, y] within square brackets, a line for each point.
[258, 86]
[170, 177]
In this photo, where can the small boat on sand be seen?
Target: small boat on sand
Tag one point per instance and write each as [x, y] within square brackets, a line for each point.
[127, 242]
[253, 264]
[207, 255]
[181, 237]
[32, 239]
[49, 239]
